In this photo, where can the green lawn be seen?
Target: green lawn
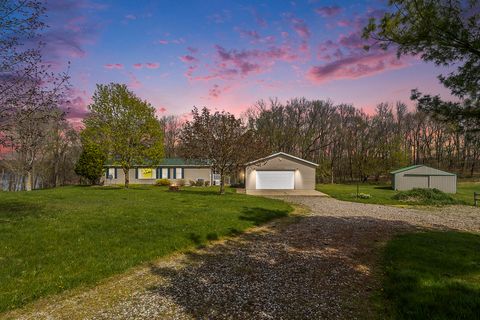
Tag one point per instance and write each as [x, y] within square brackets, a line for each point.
[57, 239]
[432, 275]
[382, 194]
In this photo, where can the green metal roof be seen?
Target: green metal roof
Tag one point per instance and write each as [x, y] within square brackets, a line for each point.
[168, 162]
[406, 168]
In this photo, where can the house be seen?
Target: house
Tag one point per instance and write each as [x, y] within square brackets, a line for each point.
[279, 171]
[173, 169]
[421, 176]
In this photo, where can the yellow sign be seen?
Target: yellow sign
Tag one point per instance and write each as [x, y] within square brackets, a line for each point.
[147, 173]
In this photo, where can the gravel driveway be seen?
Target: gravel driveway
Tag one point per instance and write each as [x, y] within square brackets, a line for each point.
[317, 267]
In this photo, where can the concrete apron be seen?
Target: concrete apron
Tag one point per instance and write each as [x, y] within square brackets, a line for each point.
[313, 193]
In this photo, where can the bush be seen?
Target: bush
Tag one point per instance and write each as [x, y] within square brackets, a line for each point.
[162, 182]
[199, 183]
[426, 196]
[191, 183]
[207, 183]
[180, 182]
[361, 195]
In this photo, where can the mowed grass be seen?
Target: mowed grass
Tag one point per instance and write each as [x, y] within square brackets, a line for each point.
[383, 193]
[432, 275]
[53, 240]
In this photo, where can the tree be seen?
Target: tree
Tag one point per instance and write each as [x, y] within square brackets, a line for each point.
[220, 138]
[124, 127]
[91, 162]
[20, 57]
[445, 32]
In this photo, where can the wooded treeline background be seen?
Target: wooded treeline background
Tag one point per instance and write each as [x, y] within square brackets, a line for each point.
[349, 144]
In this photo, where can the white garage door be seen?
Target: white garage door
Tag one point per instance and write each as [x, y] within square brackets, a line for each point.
[275, 180]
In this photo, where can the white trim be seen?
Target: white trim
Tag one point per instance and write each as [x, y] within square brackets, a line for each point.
[282, 154]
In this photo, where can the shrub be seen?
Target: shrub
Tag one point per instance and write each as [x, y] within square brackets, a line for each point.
[207, 183]
[199, 183]
[180, 182]
[174, 188]
[162, 182]
[191, 183]
[361, 195]
[426, 196]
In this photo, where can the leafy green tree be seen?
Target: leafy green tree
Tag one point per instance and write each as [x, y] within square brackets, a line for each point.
[221, 138]
[124, 126]
[90, 164]
[445, 32]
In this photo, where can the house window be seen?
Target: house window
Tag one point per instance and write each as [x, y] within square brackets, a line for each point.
[178, 173]
[146, 173]
[165, 173]
[111, 173]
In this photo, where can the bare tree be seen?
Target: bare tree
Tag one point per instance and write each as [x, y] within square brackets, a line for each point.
[20, 56]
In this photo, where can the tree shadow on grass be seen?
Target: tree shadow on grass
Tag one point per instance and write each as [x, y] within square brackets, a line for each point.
[433, 275]
[15, 209]
[260, 216]
[317, 268]
[384, 188]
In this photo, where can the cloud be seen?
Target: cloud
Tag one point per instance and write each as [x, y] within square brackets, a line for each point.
[138, 66]
[152, 65]
[71, 27]
[163, 41]
[330, 11]
[355, 66]
[130, 17]
[345, 57]
[255, 37]
[187, 58]
[133, 83]
[299, 26]
[113, 66]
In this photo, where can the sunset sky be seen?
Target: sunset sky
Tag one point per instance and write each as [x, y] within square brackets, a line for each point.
[228, 54]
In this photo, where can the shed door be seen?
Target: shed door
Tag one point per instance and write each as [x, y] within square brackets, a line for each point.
[275, 180]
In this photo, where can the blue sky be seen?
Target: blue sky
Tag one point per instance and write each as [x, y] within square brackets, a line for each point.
[229, 54]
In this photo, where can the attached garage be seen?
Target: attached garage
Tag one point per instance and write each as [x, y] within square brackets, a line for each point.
[280, 171]
[420, 176]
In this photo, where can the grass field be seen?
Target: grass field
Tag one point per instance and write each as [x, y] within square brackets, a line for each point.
[57, 239]
[382, 194]
[432, 275]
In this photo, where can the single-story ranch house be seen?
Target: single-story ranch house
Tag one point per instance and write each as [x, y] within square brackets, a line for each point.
[420, 176]
[279, 171]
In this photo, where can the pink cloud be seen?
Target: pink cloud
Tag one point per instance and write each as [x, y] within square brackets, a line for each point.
[356, 66]
[114, 66]
[344, 23]
[187, 58]
[300, 27]
[138, 66]
[152, 65]
[162, 109]
[133, 83]
[328, 11]
[163, 41]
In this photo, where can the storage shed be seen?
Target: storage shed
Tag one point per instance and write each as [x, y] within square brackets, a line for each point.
[420, 176]
[280, 171]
